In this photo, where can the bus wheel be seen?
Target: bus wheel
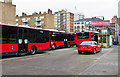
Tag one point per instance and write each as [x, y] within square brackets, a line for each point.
[69, 45]
[54, 46]
[33, 50]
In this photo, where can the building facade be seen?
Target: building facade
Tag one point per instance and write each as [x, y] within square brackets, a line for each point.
[116, 21]
[7, 12]
[119, 9]
[84, 24]
[45, 20]
[78, 16]
[64, 21]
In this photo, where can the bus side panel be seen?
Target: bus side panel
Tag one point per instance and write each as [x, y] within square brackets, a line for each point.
[71, 42]
[6, 48]
[59, 43]
[39, 46]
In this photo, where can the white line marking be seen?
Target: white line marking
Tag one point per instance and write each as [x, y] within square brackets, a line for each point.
[104, 55]
[94, 62]
[86, 69]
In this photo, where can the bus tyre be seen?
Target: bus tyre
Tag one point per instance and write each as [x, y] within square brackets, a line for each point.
[69, 45]
[94, 51]
[33, 50]
[53, 46]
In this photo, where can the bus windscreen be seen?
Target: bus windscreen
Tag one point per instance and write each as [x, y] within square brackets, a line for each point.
[83, 35]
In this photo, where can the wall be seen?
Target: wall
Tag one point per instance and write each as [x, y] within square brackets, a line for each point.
[1, 12]
[7, 13]
[119, 9]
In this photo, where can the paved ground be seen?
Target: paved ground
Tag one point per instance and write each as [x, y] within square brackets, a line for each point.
[64, 61]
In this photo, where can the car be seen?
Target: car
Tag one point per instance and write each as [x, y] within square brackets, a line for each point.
[89, 46]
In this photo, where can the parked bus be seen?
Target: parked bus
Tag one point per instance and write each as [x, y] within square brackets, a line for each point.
[62, 39]
[17, 40]
[86, 36]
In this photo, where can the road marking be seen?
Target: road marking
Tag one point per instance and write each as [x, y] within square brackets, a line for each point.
[87, 69]
[95, 62]
[104, 55]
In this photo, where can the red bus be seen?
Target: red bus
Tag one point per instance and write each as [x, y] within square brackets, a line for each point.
[86, 36]
[62, 39]
[17, 40]
[22, 40]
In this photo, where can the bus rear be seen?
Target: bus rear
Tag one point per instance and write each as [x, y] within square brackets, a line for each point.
[82, 36]
[86, 36]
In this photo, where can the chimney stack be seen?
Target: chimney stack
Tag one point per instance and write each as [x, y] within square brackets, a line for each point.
[8, 1]
[49, 11]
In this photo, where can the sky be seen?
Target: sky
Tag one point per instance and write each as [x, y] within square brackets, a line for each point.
[90, 8]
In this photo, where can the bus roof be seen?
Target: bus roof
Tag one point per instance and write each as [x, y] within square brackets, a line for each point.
[52, 30]
[88, 31]
[22, 26]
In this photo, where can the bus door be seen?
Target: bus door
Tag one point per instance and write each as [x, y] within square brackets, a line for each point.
[65, 40]
[22, 41]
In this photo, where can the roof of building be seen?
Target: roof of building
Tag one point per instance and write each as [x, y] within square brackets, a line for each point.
[89, 19]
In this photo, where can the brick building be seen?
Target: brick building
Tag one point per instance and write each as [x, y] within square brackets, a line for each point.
[45, 20]
[119, 9]
[7, 12]
[116, 21]
[64, 21]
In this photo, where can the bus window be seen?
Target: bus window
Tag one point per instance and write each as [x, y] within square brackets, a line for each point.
[84, 35]
[9, 35]
[79, 35]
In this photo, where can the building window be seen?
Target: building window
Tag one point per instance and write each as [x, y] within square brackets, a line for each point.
[59, 15]
[68, 19]
[56, 25]
[28, 18]
[68, 22]
[23, 23]
[68, 28]
[28, 23]
[17, 24]
[64, 14]
[35, 18]
[36, 23]
[42, 17]
[104, 31]
[23, 19]
[68, 15]
[42, 22]
[17, 19]
[56, 15]
[58, 18]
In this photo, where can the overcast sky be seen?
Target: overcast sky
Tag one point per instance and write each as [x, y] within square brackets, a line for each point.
[90, 8]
